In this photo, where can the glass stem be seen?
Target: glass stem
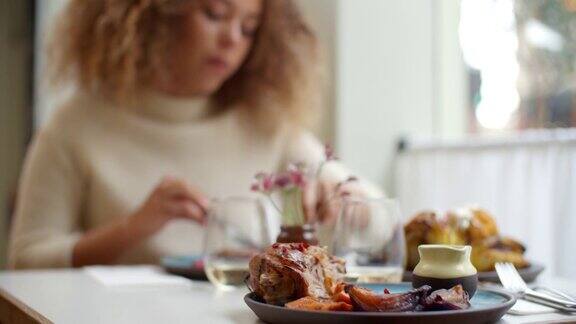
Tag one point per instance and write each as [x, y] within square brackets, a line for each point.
[293, 212]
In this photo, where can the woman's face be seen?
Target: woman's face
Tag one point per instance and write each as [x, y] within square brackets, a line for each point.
[213, 38]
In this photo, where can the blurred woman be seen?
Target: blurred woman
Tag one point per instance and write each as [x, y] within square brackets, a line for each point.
[175, 102]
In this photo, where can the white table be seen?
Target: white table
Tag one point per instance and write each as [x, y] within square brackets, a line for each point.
[71, 296]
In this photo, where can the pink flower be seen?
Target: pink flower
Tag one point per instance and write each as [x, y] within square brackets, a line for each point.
[268, 183]
[264, 182]
[290, 185]
[298, 179]
[329, 153]
[283, 181]
[297, 173]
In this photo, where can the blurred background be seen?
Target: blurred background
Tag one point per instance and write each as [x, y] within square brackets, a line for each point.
[442, 103]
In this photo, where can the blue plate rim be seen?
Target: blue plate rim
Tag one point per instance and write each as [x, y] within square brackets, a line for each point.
[511, 300]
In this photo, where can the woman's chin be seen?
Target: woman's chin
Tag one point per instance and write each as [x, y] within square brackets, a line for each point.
[190, 92]
[205, 89]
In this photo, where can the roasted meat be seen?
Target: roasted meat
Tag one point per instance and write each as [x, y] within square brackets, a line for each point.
[442, 299]
[289, 271]
[366, 300]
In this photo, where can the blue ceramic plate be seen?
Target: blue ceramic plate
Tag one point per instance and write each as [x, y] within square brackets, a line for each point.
[488, 306]
[189, 266]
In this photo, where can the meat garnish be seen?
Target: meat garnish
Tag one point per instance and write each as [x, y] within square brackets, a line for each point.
[442, 299]
[340, 295]
[313, 304]
[366, 300]
[289, 271]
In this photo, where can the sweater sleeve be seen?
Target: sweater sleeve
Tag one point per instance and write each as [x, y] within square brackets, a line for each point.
[46, 225]
[303, 146]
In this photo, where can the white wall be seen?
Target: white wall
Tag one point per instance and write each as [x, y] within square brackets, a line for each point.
[321, 15]
[384, 80]
[44, 100]
[450, 78]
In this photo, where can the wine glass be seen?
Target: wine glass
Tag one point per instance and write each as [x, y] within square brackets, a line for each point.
[236, 231]
[369, 235]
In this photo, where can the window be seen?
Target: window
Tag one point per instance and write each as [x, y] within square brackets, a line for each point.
[521, 62]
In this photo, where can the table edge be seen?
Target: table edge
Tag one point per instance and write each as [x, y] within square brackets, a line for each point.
[24, 311]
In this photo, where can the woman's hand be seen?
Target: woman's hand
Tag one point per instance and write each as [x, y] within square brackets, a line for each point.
[171, 199]
[319, 202]
[322, 200]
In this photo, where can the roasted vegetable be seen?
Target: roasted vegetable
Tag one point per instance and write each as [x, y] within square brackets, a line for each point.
[313, 304]
[367, 301]
[428, 228]
[464, 226]
[472, 224]
[340, 295]
[485, 254]
[442, 299]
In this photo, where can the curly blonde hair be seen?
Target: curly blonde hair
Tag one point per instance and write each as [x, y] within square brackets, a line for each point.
[113, 48]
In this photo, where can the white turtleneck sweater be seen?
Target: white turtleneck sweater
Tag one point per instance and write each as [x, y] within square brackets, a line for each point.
[94, 162]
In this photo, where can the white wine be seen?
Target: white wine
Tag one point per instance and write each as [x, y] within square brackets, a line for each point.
[372, 274]
[226, 274]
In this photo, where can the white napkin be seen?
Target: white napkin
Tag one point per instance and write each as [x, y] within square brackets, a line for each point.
[524, 307]
[527, 312]
[134, 277]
